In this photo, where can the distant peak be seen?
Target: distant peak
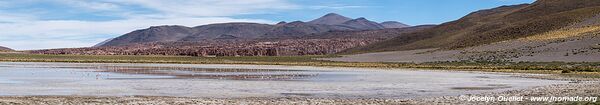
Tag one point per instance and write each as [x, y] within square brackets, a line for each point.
[333, 14]
[167, 26]
[390, 22]
[394, 24]
[295, 22]
[282, 22]
[330, 19]
[361, 18]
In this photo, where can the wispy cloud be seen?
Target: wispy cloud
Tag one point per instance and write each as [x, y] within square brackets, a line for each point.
[43, 24]
[210, 7]
[92, 5]
[337, 7]
[32, 30]
[61, 34]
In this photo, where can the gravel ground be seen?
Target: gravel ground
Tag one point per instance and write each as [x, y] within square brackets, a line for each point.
[583, 89]
[577, 48]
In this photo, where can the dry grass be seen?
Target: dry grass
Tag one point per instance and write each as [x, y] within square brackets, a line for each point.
[495, 25]
[562, 33]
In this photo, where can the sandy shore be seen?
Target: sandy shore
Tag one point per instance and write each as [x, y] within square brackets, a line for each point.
[582, 89]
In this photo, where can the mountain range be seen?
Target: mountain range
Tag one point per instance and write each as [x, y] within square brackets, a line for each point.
[543, 31]
[246, 31]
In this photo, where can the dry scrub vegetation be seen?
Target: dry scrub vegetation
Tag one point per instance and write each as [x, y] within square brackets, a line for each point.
[563, 33]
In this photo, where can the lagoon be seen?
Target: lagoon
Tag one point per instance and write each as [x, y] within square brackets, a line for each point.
[243, 81]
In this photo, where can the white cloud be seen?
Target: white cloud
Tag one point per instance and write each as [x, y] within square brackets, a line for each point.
[44, 44]
[57, 33]
[337, 7]
[26, 31]
[29, 28]
[210, 7]
[91, 5]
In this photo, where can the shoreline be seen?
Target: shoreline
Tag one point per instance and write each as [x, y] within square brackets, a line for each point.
[549, 74]
[578, 86]
[474, 80]
[536, 67]
[582, 89]
[556, 74]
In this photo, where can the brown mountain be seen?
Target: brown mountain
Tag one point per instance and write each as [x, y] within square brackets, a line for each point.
[4, 49]
[103, 42]
[393, 24]
[330, 19]
[152, 34]
[362, 24]
[243, 31]
[382, 34]
[182, 33]
[237, 30]
[298, 29]
[493, 25]
[329, 42]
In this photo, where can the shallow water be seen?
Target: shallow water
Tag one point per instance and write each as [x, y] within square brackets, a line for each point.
[233, 81]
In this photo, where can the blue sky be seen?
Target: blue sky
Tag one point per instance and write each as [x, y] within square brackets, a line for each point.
[43, 24]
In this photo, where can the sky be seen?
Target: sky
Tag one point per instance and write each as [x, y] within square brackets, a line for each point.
[46, 24]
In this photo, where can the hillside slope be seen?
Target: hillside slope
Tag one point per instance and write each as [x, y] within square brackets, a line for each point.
[393, 24]
[362, 24]
[103, 42]
[152, 34]
[298, 29]
[4, 49]
[382, 34]
[493, 25]
[570, 44]
[237, 30]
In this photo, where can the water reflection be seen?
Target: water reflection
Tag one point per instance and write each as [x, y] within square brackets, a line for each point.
[227, 81]
[212, 73]
[104, 71]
